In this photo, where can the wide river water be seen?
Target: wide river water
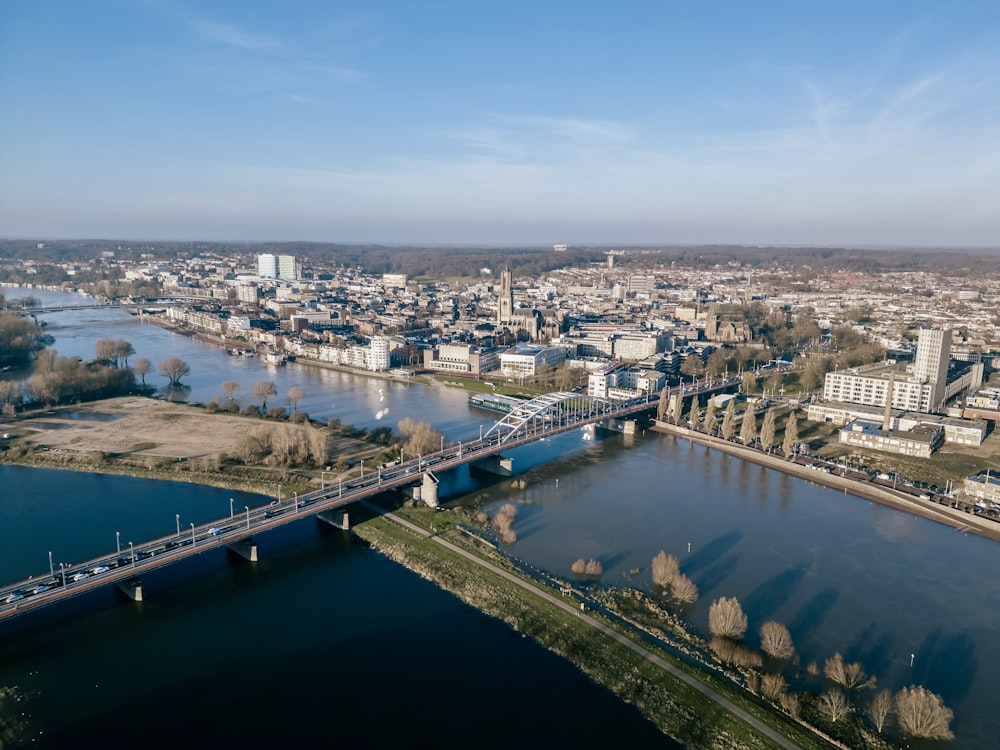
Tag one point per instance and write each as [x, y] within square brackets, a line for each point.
[325, 636]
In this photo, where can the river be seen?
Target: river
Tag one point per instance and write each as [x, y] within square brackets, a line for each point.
[878, 585]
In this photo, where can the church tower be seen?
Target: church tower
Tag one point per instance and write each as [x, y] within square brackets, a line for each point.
[505, 305]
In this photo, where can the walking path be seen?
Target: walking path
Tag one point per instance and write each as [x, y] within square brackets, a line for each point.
[754, 722]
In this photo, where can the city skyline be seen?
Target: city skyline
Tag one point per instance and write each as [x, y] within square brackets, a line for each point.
[490, 124]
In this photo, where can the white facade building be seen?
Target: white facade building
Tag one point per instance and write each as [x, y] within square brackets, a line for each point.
[526, 361]
[267, 266]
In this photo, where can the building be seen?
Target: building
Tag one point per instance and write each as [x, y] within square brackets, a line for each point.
[924, 386]
[288, 267]
[378, 353]
[267, 266]
[921, 441]
[930, 363]
[505, 300]
[983, 487]
[527, 361]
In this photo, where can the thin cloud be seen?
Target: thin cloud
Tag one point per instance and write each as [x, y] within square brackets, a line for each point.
[233, 36]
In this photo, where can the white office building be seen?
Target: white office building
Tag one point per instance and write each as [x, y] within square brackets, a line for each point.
[526, 361]
[267, 266]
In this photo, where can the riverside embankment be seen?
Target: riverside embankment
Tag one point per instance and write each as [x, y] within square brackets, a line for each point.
[957, 519]
[700, 709]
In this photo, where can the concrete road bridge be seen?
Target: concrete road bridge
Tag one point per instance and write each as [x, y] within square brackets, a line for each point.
[538, 418]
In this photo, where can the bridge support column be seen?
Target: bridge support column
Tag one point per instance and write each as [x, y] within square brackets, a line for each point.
[132, 588]
[500, 465]
[245, 548]
[341, 521]
[429, 490]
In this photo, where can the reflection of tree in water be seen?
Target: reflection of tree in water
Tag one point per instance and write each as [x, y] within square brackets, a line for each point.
[14, 719]
[946, 665]
[178, 392]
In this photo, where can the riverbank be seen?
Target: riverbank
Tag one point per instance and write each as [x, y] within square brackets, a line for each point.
[228, 344]
[955, 518]
[692, 699]
[155, 439]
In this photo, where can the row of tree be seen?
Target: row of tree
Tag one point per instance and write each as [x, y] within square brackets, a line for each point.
[917, 711]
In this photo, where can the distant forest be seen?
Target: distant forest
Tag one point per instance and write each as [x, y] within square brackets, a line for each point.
[451, 262]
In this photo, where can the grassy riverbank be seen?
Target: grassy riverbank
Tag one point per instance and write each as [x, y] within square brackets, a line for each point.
[678, 709]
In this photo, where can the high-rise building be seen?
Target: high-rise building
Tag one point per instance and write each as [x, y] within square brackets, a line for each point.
[287, 267]
[933, 352]
[267, 266]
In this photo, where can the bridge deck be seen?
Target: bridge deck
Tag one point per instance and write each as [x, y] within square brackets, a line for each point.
[20, 597]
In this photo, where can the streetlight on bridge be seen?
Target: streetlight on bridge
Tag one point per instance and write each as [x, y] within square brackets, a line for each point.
[230, 508]
[194, 541]
[178, 517]
[52, 573]
[118, 544]
[131, 552]
[247, 509]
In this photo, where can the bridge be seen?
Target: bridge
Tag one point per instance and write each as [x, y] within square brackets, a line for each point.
[541, 417]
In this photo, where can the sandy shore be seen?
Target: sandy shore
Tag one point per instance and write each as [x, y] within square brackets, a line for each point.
[953, 517]
[134, 435]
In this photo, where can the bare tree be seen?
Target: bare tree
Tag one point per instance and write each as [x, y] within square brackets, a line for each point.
[772, 686]
[921, 713]
[776, 641]
[661, 407]
[791, 435]
[693, 413]
[230, 387]
[678, 407]
[262, 391]
[767, 431]
[142, 367]
[174, 369]
[504, 521]
[851, 676]
[790, 702]
[122, 350]
[579, 567]
[295, 394]
[420, 438]
[748, 429]
[729, 420]
[879, 709]
[104, 350]
[683, 589]
[710, 420]
[833, 704]
[665, 569]
[594, 568]
[726, 618]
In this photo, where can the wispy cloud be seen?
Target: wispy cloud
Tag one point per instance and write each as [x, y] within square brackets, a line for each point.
[233, 36]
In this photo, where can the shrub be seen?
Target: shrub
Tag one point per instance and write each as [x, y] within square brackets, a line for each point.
[252, 410]
[299, 417]
[665, 569]
[921, 713]
[683, 589]
[726, 618]
[277, 412]
[776, 641]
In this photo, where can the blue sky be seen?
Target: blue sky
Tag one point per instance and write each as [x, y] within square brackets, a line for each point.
[502, 123]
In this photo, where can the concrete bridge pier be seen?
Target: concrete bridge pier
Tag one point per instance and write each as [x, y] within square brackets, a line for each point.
[626, 426]
[245, 548]
[499, 465]
[340, 520]
[429, 490]
[132, 588]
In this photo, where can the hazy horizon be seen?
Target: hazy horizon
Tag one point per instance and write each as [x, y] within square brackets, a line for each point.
[518, 124]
